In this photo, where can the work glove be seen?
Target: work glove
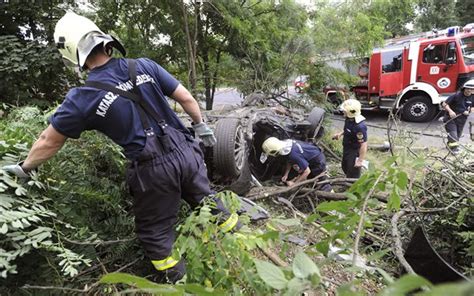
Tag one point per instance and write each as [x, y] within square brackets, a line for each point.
[203, 132]
[16, 169]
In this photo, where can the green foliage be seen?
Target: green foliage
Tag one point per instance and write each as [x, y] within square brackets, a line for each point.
[341, 218]
[406, 284]
[34, 21]
[268, 40]
[400, 13]
[25, 225]
[79, 195]
[350, 26]
[437, 14]
[462, 8]
[217, 259]
[304, 275]
[31, 72]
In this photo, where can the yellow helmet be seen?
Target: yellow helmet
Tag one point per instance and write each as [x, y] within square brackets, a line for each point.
[352, 109]
[76, 36]
[273, 146]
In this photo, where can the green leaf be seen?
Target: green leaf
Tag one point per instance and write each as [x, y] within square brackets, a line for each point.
[303, 266]
[393, 200]
[340, 206]
[4, 228]
[270, 235]
[402, 180]
[288, 222]
[20, 191]
[453, 289]
[135, 281]
[200, 290]
[296, 286]
[313, 217]
[388, 278]
[377, 255]
[405, 284]
[323, 247]
[271, 274]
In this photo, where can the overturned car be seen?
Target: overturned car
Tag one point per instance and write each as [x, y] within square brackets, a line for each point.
[241, 132]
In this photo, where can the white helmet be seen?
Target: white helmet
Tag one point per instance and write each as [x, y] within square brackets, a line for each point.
[468, 84]
[352, 109]
[76, 36]
[272, 146]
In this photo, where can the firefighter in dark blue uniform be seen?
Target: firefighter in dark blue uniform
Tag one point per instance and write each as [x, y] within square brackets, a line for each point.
[458, 108]
[125, 100]
[354, 139]
[307, 160]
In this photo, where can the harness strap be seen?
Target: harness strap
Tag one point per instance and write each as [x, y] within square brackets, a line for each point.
[126, 94]
[135, 95]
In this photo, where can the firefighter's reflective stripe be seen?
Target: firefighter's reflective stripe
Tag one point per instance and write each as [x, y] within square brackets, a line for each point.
[453, 144]
[229, 223]
[164, 263]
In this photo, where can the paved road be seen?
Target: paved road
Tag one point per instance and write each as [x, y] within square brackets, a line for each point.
[425, 134]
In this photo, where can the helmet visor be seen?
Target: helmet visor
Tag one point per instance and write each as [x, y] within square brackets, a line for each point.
[88, 43]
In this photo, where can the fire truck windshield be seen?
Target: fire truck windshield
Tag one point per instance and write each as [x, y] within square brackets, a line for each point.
[467, 45]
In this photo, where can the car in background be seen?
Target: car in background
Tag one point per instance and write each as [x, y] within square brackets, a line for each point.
[241, 132]
[301, 83]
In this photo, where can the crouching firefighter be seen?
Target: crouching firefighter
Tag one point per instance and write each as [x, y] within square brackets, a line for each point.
[458, 108]
[125, 100]
[306, 159]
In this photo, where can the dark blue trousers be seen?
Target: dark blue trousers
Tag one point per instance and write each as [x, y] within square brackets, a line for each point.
[170, 168]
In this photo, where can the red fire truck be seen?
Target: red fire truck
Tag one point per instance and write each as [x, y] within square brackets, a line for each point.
[415, 74]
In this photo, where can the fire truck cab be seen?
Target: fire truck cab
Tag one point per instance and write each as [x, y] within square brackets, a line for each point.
[414, 75]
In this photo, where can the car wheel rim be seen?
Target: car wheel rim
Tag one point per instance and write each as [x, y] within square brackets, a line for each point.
[239, 150]
[418, 109]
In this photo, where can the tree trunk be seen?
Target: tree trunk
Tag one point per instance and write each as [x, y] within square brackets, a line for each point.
[190, 50]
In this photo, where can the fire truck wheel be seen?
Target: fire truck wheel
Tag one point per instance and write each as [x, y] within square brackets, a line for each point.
[418, 109]
[230, 147]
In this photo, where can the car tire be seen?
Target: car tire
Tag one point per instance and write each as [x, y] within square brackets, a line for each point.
[229, 150]
[316, 118]
[418, 109]
[298, 89]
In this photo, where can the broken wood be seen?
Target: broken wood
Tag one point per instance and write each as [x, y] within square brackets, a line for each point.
[273, 257]
[296, 186]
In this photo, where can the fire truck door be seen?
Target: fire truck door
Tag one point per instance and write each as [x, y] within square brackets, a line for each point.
[438, 66]
[391, 80]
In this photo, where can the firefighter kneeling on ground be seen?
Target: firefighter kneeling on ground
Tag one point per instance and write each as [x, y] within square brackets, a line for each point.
[306, 159]
[125, 100]
[458, 107]
[354, 142]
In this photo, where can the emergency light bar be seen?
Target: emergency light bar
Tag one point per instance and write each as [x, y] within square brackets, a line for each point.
[451, 31]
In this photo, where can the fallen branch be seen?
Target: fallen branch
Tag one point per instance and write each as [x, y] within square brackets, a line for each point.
[259, 195]
[54, 288]
[336, 196]
[274, 257]
[320, 227]
[361, 222]
[329, 150]
[398, 249]
[98, 243]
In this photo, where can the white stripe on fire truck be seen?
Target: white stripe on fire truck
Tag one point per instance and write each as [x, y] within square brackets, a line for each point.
[413, 54]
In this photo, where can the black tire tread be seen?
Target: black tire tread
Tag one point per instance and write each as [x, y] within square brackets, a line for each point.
[224, 149]
[408, 117]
